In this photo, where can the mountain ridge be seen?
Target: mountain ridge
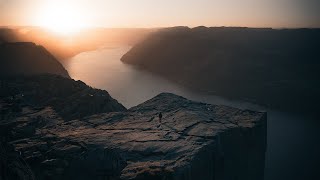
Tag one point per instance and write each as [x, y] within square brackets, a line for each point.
[265, 66]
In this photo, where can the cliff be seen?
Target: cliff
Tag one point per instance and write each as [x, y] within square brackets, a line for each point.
[69, 98]
[275, 68]
[192, 141]
[53, 127]
[27, 58]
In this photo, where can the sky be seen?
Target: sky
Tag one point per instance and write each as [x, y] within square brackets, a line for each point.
[162, 13]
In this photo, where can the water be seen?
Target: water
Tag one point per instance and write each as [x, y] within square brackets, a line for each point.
[293, 142]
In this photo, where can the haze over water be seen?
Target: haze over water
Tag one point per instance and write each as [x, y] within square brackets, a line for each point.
[131, 86]
[289, 135]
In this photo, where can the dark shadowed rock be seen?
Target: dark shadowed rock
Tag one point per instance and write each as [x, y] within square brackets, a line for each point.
[69, 98]
[275, 68]
[27, 58]
[193, 141]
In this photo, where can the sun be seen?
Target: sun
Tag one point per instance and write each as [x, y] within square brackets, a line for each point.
[62, 18]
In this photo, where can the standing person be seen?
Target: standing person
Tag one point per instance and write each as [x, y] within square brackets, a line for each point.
[160, 117]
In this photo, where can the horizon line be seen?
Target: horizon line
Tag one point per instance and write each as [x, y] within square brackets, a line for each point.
[162, 27]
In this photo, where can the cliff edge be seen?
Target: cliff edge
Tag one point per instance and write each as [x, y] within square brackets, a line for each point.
[192, 140]
[53, 127]
[69, 98]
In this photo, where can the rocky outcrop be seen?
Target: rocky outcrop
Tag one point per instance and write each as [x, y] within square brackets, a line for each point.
[53, 127]
[192, 140]
[27, 58]
[275, 68]
[69, 98]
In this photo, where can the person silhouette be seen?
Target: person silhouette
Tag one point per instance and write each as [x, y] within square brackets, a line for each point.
[160, 117]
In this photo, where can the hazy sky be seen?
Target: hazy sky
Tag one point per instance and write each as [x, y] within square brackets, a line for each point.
[151, 13]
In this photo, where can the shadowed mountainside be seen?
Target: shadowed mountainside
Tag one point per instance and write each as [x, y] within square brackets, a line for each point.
[69, 98]
[276, 68]
[29, 73]
[27, 58]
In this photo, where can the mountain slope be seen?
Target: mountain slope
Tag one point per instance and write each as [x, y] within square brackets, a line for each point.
[69, 98]
[276, 68]
[27, 58]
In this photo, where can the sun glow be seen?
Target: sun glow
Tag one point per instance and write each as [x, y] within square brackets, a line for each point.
[62, 18]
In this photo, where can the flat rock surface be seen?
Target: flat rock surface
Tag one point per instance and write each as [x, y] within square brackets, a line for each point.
[136, 143]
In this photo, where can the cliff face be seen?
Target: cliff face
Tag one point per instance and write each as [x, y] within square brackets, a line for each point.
[30, 74]
[53, 127]
[276, 68]
[191, 141]
[26, 58]
[69, 98]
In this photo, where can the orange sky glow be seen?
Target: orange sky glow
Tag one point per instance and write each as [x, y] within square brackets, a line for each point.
[72, 15]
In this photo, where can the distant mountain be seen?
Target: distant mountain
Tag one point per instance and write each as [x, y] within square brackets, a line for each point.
[8, 35]
[276, 68]
[28, 58]
[66, 46]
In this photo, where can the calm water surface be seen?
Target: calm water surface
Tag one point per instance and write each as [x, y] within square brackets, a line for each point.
[293, 141]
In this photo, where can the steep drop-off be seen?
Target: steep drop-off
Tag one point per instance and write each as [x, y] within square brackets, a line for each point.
[192, 141]
[69, 98]
[53, 127]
